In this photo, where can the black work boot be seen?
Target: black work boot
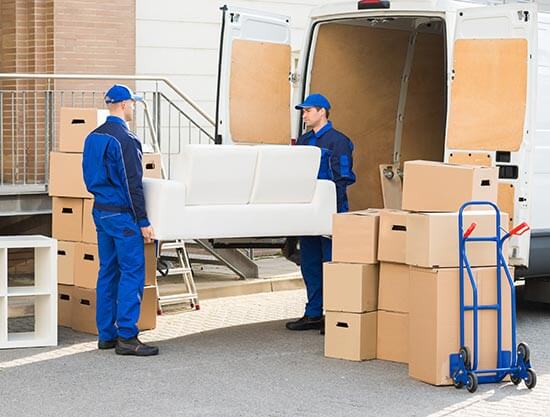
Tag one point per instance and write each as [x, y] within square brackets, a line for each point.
[134, 347]
[106, 344]
[307, 323]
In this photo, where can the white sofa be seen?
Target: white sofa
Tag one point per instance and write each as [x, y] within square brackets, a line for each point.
[225, 191]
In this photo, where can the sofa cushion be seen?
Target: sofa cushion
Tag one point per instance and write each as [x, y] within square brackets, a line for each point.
[285, 174]
[218, 174]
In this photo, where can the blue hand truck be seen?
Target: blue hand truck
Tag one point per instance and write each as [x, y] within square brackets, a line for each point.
[464, 365]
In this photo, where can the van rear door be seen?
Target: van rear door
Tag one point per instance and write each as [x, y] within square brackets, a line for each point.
[492, 96]
[253, 102]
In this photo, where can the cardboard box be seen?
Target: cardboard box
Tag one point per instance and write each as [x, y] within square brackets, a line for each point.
[150, 264]
[435, 186]
[434, 321]
[67, 219]
[394, 286]
[89, 233]
[392, 240]
[350, 336]
[432, 239]
[67, 254]
[393, 336]
[87, 266]
[84, 310]
[355, 236]
[65, 305]
[352, 288]
[66, 179]
[152, 165]
[75, 124]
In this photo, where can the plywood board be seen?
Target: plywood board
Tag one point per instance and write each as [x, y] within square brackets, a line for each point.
[488, 94]
[423, 135]
[506, 201]
[359, 69]
[259, 92]
[469, 158]
[392, 188]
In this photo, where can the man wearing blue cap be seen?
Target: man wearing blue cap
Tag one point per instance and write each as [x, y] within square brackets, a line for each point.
[336, 165]
[113, 173]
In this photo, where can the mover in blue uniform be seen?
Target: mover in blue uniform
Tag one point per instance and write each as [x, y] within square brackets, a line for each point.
[113, 173]
[336, 165]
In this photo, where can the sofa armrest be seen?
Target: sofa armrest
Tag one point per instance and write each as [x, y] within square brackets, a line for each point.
[164, 201]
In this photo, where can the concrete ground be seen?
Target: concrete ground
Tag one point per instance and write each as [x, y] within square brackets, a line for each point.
[234, 358]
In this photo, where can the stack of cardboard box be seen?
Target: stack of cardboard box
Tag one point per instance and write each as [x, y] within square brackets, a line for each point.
[418, 250]
[73, 226]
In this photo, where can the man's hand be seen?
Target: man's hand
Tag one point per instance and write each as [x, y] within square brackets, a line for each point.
[148, 234]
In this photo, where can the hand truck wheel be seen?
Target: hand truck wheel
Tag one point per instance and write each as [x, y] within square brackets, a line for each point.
[464, 351]
[523, 350]
[471, 385]
[531, 380]
[515, 379]
[458, 384]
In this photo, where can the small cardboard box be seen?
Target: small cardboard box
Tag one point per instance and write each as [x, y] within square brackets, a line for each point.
[355, 236]
[434, 321]
[152, 165]
[393, 336]
[394, 286]
[350, 336]
[89, 233]
[75, 124]
[435, 186]
[150, 264]
[67, 219]
[67, 254]
[65, 305]
[66, 179]
[352, 288]
[432, 239]
[84, 310]
[87, 266]
[392, 240]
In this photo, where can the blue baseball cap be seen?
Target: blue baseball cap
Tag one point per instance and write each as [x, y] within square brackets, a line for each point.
[120, 92]
[314, 100]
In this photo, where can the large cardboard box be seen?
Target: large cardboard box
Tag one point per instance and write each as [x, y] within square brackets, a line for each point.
[392, 240]
[350, 336]
[66, 179]
[352, 288]
[89, 233]
[434, 321]
[432, 239]
[435, 186]
[65, 305]
[84, 310]
[394, 286]
[67, 255]
[75, 124]
[393, 336]
[150, 264]
[355, 236]
[67, 219]
[87, 266]
[152, 165]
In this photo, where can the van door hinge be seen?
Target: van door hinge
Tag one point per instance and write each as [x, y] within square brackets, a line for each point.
[524, 15]
[294, 77]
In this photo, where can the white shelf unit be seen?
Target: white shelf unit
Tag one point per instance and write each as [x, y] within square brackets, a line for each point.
[43, 292]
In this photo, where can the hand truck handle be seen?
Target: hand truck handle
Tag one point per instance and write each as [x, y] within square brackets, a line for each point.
[519, 229]
[469, 231]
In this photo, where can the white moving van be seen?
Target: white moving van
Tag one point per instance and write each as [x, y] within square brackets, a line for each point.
[408, 79]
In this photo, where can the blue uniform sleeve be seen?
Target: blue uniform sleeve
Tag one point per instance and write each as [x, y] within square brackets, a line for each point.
[341, 162]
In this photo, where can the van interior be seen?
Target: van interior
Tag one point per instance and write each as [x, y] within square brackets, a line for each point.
[386, 81]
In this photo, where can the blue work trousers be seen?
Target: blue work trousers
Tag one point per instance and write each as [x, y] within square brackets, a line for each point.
[121, 274]
[314, 250]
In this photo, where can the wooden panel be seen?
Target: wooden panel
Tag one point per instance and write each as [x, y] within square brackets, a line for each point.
[259, 92]
[468, 158]
[423, 135]
[506, 200]
[488, 94]
[359, 69]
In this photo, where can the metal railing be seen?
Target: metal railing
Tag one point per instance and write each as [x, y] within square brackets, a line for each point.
[29, 123]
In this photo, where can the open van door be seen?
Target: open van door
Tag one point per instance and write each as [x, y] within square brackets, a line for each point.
[492, 96]
[253, 101]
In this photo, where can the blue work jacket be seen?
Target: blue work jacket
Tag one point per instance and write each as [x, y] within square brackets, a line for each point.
[336, 160]
[113, 171]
